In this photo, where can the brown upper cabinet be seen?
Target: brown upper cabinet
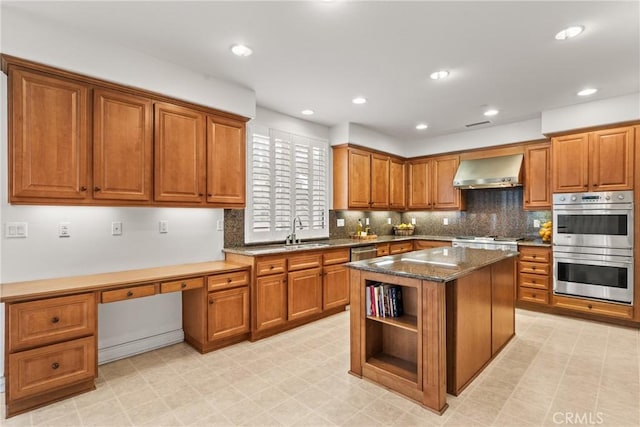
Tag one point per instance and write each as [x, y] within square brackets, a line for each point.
[537, 176]
[431, 183]
[366, 180]
[593, 161]
[144, 149]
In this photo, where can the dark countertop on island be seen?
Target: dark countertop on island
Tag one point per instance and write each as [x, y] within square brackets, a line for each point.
[437, 265]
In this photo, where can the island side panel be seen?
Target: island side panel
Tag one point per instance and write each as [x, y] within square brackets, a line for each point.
[355, 313]
[503, 276]
[434, 345]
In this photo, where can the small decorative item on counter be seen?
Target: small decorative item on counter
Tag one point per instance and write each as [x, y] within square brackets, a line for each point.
[359, 228]
[403, 229]
[545, 231]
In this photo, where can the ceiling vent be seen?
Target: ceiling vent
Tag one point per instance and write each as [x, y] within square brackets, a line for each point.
[486, 122]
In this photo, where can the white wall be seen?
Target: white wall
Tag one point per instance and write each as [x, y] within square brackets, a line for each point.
[279, 121]
[527, 130]
[364, 136]
[339, 134]
[605, 111]
[131, 326]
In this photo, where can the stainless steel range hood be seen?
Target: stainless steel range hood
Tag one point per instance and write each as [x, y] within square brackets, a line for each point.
[492, 172]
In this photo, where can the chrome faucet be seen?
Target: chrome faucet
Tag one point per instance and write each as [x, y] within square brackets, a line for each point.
[292, 238]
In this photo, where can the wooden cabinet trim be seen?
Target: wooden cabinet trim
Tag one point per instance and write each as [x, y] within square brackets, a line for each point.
[593, 307]
[304, 261]
[128, 293]
[336, 256]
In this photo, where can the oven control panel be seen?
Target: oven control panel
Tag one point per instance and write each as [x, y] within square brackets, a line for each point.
[604, 197]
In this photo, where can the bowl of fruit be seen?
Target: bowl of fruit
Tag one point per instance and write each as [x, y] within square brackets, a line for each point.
[403, 229]
[546, 231]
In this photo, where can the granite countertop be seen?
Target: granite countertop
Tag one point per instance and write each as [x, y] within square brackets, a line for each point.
[438, 264]
[280, 248]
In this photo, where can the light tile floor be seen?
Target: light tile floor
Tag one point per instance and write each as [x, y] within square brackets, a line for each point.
[558, 371]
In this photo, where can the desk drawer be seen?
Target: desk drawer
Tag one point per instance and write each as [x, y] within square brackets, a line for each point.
[227, 280]
[132, 292]
[42, 322]
[43, 369]
[537, 281]
[181, 285]
[534, 268]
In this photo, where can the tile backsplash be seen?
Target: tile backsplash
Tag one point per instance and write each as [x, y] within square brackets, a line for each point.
[489, 212]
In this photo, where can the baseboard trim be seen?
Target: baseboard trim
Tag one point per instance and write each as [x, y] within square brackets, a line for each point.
[121, 351]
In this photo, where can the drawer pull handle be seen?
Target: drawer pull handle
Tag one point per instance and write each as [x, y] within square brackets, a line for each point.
[183, 285]
[129, 294]
[55, 365]
[97, 189]
[56, 319]
[211, 301]
[590, 306]
[83, 188]
[229, 280]
[271, 267]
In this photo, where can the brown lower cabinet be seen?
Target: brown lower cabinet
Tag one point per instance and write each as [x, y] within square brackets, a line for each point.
[304, 289]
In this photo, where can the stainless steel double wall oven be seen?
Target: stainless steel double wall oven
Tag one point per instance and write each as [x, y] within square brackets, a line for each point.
[593, 245]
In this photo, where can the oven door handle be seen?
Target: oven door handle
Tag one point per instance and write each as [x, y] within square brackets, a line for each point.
[594, 260]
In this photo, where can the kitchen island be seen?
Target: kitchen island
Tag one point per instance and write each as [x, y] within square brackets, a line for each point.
[448, 312]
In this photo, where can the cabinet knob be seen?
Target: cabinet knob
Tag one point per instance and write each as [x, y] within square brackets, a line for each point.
[83, 188]
[533, 256]
[97, 188]
[533, 295]
[200, 194]
[229, 280]
[595, 185]
[183, 285]
[211, 301]
[55, 365]
[56, 319]
[129, 294]
[271, 267]
[209, 195]
[590, 306]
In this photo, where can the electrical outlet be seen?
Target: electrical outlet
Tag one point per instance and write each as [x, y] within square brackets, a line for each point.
[220, 225]
[445, 221]
[536, 223]
[15, 230]
[163, 226]
[389, 221]
[366, 221]
[64, 229]
[340, 222]
[116, 228]
[413, 221]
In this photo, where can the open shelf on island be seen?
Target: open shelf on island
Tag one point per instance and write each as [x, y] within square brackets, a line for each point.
[407, 321]
[394, 365]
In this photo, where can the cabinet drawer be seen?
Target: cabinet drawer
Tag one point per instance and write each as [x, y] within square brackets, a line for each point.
[304, 261]
[382, 250]
[270, 266]
[533, 295]
[537, 281]
[181, 285]
[128, 293]
[228, 280]
[534, 268]
[401, 247]
[43, 369]
[336, 256]
[533, 254]
[595, 307]
[42, 322]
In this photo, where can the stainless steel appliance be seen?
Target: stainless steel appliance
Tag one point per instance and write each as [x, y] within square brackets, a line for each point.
[363, 252]
[487, 242]
[593, 245]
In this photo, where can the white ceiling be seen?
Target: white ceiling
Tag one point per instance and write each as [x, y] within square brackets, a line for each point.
[319, 55]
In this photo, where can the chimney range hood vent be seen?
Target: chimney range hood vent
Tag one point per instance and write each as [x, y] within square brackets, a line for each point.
[492, 172]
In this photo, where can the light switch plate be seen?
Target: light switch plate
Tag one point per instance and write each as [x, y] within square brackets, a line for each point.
[340, 222]
[366, 221]
[445, 221]
[116, 228]
[16, 230]
[536, 223]
[413, 221]
[163, 226]
[220, 225]
[64, 229]
[388, 220]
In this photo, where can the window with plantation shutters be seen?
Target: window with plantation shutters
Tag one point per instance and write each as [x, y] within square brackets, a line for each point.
[288, 178]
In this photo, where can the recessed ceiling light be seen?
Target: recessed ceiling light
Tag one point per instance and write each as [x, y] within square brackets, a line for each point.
[587, 92]
[570, 32]
[422, 126]
[241, 50]
[307, 112]
[439, 75]
[490, 113]
[359, 100]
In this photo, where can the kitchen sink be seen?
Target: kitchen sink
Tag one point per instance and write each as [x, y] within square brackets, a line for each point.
[279, 248]
[305, 246]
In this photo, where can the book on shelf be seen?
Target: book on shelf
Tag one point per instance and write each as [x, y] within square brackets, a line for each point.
[383, 300]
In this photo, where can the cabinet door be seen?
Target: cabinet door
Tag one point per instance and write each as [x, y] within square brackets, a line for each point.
[419, 185]
[611, 159]
[180, 164]
[397, 184]
[225, 162]
[570, 157]
[359, 179]
[228, 313]
[537, 184]
[335, 286]
[445, 195]
[379, 181]
[48, 148]
[304, 293]
[271, 301]
[122, 144]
